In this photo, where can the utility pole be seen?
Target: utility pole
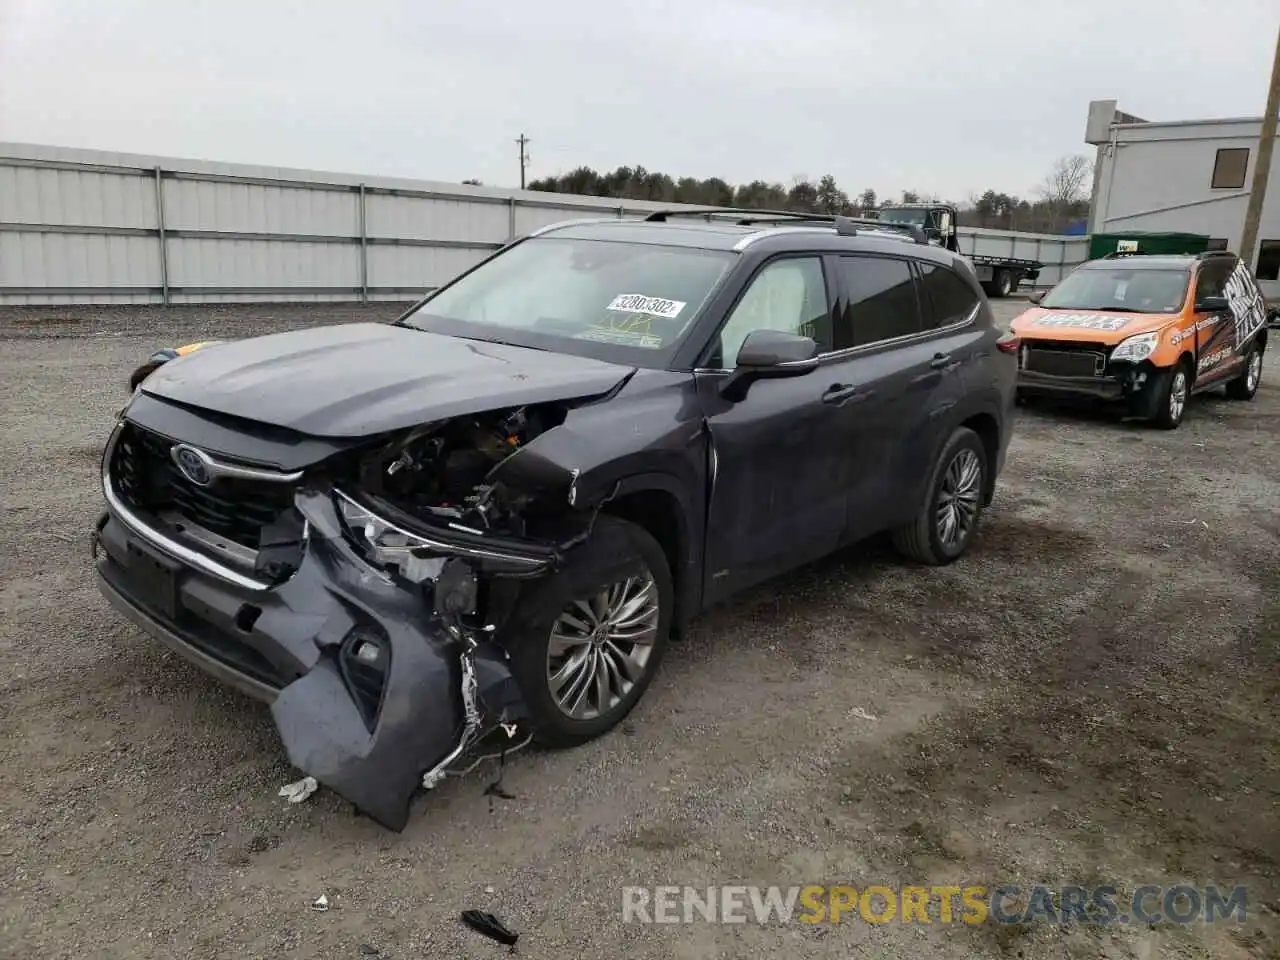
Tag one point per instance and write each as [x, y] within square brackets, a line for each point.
[524, 157]
[1262, 165]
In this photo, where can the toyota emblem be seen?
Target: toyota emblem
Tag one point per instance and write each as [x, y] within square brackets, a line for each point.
[196, 465]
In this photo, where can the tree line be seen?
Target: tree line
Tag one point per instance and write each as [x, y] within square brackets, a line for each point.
[1059, 199]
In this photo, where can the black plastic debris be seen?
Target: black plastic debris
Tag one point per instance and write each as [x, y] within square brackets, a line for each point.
[490, 926]
[496, 789]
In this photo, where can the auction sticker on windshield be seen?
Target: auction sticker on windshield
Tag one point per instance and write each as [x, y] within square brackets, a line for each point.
[1084, 321]
[653, 306]
[622, 336]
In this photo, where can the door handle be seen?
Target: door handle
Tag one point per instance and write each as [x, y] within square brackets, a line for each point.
[842, 392]
[941, 361]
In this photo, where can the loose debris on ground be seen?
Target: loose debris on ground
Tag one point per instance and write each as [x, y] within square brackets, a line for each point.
[1091, 697]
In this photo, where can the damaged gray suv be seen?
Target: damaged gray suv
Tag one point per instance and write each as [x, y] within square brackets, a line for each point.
[488, 517]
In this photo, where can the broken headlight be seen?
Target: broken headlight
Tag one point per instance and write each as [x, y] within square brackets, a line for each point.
[386, 545]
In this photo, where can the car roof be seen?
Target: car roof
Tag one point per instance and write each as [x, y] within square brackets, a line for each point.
[729, 236]
[1158, 261]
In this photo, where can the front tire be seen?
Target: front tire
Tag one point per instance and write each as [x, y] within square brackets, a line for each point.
[586, 642]
[1245, 386]
[1172, 400]
[946, 523]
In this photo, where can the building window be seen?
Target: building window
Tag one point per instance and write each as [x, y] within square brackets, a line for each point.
[1229, 167]
[1269, 260]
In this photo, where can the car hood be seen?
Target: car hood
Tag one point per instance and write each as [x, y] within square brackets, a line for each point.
[360, 379]
[1094, 326]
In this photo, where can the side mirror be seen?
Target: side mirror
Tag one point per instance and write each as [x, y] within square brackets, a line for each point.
[769, 355]
[1212, 305]
[1037, 296]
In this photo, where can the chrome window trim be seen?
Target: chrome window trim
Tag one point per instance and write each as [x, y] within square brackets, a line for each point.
[865, 347]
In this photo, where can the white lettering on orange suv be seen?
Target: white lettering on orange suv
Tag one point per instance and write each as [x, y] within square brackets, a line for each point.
[1085, 321]
[1246, 304]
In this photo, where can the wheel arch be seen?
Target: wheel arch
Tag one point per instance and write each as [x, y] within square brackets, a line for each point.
[1187, 356]
[656, 502]
[987, 427]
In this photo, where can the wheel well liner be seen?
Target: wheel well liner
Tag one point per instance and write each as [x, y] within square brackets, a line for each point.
[988, 430]
[660, 513]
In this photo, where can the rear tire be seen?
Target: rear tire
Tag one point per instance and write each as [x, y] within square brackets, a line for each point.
[1245, 386]
[563, 634]
[1002, 283]
[956, 493]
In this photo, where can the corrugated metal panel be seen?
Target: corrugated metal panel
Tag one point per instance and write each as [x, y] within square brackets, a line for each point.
[232, 233]
[77, 260]
[33, 195]
[261, 263]
[252, 208]
[418, 267]
[420, 218]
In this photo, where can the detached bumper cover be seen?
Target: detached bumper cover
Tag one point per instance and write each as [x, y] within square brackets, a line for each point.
[284, 645]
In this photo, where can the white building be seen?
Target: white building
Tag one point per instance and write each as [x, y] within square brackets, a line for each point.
[1189, 176]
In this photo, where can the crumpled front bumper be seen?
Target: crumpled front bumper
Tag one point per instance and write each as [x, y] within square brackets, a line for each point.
[285, 644]
[1136, 385]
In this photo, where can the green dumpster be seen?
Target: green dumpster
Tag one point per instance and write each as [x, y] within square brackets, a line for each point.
[1135, 241]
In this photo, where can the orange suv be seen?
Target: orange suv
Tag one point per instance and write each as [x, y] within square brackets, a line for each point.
[1145, 331]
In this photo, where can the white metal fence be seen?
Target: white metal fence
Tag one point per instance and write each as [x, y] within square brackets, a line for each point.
[79, 226]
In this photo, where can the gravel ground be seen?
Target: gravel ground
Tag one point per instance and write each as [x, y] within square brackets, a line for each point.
[1090, 696]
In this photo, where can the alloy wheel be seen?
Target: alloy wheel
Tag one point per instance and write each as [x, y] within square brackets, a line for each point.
[600, 647]
[957, 507]
[1255, 371]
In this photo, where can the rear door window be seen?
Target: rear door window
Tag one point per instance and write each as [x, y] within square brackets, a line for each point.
[879, 301]
[947, 299]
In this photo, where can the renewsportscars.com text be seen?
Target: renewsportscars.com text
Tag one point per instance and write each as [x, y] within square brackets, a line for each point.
[970, 904]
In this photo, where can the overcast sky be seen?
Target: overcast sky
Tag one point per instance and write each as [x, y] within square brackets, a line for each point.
[941, 96]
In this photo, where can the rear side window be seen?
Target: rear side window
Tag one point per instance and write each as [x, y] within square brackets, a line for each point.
[1212, 280]
[880, 301]
[947, 298]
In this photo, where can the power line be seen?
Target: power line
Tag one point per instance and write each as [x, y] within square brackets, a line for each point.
[523, 141]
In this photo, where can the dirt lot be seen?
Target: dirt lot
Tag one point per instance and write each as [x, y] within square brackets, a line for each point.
[1092, 696]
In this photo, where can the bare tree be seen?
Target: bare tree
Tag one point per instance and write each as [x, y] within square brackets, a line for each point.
[1064, 187]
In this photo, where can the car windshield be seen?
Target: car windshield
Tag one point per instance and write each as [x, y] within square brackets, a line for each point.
[613, 300]
[915, 216]
[1122, 289]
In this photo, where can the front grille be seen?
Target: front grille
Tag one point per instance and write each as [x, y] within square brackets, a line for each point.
[145, 477]
[1064, 359]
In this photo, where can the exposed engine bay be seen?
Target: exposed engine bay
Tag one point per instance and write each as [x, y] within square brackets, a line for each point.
[439, 472]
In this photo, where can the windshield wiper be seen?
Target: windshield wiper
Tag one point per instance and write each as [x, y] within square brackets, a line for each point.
[503, 343]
